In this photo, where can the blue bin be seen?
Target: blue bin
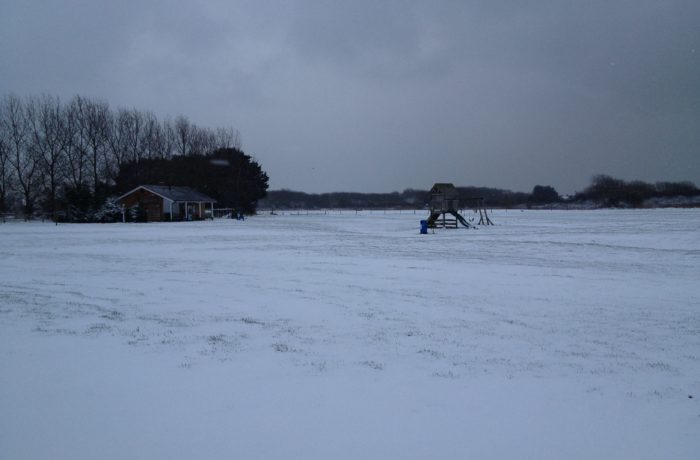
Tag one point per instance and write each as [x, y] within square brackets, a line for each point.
[423, 227]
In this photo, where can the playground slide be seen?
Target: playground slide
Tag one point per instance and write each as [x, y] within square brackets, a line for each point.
[460, 219]
[436, 215]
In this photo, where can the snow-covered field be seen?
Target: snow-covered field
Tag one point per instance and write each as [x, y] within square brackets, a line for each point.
[554, 334]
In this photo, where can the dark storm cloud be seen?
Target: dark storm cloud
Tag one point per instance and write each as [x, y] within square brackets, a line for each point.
[370, 95]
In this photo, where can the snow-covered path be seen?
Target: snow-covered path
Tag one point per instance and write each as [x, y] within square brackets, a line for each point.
[552, 335]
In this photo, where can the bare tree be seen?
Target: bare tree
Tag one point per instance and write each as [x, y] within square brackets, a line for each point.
[135, 122]
[97, 122]
[152, 137]
[48, 140]
[169, 138]
[4, 166]
[228, 138]
[76, 148]
[203, 140]
[125, 140]
[183, 135]
[118, 142]
[21, 157]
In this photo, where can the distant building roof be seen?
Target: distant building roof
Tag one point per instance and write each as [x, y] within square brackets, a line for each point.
[174, 193]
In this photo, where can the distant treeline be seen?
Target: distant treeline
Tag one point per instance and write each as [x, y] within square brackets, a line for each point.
[603, 191]
[408, 199]
[66, 159]
[609, 191]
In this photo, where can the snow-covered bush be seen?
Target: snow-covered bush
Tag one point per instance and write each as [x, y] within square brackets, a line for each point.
[110, 211]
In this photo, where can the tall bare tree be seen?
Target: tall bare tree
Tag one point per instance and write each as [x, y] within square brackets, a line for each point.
[76, 148]
[135, 122]
[152, 137]
[228, 138]
[4, 167]
[202, 140]
[21, 157]
[97, 123]
[169, 138]
[48, 140]
[118, 142]
[183, 135]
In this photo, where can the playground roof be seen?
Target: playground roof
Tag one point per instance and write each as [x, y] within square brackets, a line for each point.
[444, 188]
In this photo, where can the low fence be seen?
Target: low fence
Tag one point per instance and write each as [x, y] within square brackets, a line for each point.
[322, 212]
[223, 213]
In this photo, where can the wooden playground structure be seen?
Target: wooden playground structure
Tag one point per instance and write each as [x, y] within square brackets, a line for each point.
[444, 208]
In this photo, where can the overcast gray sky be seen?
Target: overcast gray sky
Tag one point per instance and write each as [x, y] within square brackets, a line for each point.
[384, 95]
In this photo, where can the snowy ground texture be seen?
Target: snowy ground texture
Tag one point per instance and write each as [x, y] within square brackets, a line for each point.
[555, 334]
